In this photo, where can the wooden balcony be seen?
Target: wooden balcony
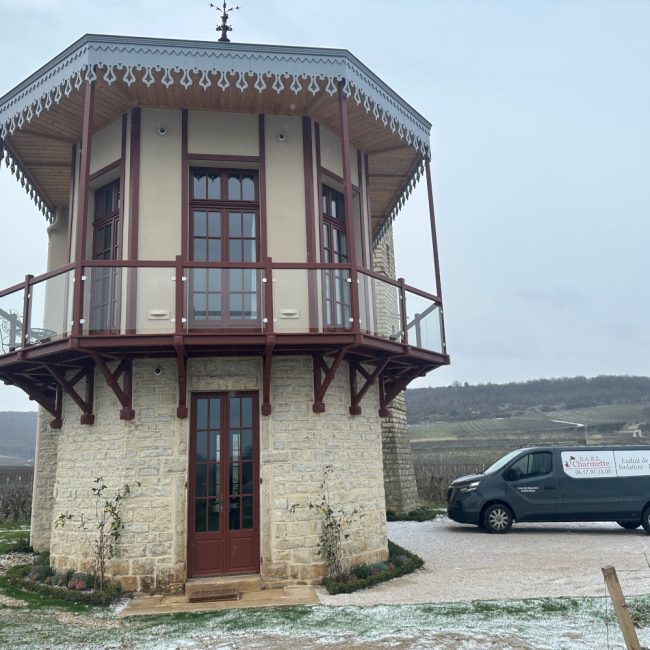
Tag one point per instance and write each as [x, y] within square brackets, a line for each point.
[58, 326]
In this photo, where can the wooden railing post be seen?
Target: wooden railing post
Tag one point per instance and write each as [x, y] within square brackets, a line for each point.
[24, 342]
[621, 609]
[180, 291]
[269, 326]
[402, 310]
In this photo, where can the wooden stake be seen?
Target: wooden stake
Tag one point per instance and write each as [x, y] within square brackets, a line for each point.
[621, 609]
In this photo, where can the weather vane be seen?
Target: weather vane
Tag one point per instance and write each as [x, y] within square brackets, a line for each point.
[225, 27]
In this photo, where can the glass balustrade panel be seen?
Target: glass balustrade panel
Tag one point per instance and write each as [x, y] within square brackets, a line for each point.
[11, 320]
[379, 308]
[224, 299]
[423, 322]
[50, 302]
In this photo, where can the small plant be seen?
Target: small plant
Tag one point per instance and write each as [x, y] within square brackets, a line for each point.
[104, 529]
[336, 524]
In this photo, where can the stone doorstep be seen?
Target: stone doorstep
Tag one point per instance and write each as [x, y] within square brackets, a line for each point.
[280, 597]
[222, 584]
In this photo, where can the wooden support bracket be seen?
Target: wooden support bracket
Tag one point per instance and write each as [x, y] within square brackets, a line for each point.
[371, 377]
[52, 405]
[123, 393]
[389, 389]
[322, 383]
[68, 385]
[181, 372]
[267, 363]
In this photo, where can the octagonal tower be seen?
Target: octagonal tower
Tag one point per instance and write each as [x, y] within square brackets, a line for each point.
[219, 320]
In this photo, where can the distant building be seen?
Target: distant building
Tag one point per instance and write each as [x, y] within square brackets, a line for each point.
[219, 319]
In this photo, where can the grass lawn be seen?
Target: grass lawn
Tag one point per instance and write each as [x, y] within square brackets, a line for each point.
[10, 533]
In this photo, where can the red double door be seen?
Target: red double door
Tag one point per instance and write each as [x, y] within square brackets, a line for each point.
[223, 517]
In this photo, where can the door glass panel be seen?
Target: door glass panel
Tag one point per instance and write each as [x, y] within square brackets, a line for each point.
[235, 409]
[215, 443]
[202, 414]
[215, 413]
[214, 510]
[247, 512]
[199, 250]
[247, 478]
[234, 224]
[247, 444]
[234, 514]
[248, 227]
[201, 445]
[246, 412]
[201, 478]
[214, 250]
[234, 445]
[199, 515]
[249, 250]
[213, 473]
[234, 478]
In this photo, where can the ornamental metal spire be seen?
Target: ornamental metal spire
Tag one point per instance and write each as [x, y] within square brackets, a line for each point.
[224, 28]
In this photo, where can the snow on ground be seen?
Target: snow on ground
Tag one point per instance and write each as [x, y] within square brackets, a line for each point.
[476, 591]
[464, 563]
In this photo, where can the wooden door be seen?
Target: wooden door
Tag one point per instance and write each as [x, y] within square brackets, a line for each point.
[223, 517]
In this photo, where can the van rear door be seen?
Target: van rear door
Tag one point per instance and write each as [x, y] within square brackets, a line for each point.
[532, 487]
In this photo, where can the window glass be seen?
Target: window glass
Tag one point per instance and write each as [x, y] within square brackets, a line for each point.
[530, 465]
[214, 187]
[234, 188]
[199, 186]
[248, 188]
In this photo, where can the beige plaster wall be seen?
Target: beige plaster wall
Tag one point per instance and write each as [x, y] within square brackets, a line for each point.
[106, 146]
[235, 134]
[330, 155]
[160, 186]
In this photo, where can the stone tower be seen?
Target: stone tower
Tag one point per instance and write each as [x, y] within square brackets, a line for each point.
[215, 323]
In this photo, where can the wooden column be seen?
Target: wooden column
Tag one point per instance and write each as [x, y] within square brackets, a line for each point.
[347, 195]
[82, 212]
[310, 226]
[436, 260]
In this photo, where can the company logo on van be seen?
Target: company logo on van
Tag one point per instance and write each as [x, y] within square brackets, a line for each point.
[603, 464]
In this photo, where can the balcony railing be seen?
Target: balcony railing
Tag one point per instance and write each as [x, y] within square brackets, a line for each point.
[126, 298]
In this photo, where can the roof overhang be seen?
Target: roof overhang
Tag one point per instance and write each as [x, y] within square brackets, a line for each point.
[147, 71]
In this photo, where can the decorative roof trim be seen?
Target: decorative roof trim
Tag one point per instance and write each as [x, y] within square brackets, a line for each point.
[26, 182]
[166, 62]
[392, 213]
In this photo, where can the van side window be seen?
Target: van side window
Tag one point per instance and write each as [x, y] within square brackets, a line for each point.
[530, 465]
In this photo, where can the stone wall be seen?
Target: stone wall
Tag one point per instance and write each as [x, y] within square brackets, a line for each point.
[399, 475]
[296, 445]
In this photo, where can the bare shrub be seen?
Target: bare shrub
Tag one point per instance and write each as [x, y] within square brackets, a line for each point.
[16, 493]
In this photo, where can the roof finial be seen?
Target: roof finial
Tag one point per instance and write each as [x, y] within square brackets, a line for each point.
[225, 27]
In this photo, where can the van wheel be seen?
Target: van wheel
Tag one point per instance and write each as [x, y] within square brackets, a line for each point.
[497, 518]
[645, 519]
[629, 525]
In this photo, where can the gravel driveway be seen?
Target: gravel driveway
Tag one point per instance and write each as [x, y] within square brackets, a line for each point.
[464, 563]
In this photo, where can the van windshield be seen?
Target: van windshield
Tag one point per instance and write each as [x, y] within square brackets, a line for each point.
[495, 467]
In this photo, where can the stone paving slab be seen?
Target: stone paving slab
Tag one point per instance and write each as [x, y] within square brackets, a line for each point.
[289, 596]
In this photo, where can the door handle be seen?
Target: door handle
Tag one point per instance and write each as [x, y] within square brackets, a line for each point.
[550, 487]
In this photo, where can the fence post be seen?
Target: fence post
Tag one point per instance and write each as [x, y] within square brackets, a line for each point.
[621, 609]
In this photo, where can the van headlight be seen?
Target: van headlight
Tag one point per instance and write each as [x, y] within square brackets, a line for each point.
[470, 487]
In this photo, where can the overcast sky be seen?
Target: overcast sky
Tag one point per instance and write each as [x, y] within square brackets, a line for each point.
[540, 159]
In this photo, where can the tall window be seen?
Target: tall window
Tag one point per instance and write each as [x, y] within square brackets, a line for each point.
[335, 250]
[224, 227]
[105, 281]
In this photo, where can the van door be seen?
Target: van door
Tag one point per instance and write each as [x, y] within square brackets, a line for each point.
[532, 487]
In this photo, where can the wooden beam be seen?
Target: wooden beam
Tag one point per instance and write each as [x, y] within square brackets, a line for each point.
[321, 384]
[181, 375]
[123, 393]
[357, 395]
